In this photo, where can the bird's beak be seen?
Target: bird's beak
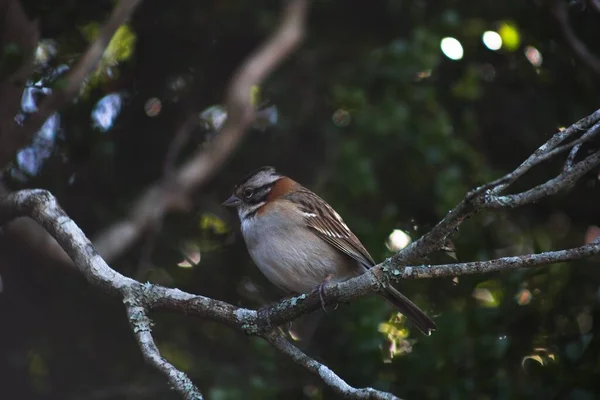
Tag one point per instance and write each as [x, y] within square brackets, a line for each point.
[233, 201]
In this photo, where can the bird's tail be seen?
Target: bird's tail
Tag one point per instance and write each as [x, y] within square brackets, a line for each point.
[409, 309]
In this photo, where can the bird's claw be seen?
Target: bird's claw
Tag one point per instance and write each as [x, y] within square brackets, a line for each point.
[322, 290]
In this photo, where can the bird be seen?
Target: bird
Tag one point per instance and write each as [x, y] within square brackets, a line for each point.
[299, 242]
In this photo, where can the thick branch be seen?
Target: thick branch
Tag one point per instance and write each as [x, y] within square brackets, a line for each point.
[42, 207]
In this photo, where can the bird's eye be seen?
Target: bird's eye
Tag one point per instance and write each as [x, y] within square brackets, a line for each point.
[248, 192]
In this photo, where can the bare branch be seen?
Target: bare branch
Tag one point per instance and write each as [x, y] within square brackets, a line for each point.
[141, 326]
[546, 151]
[155, 202]
[486, 196]
[571, 157]
[392, 271]
[139, 298]
[67, 91]
[42, 207]
[499, 264]
[562, 182]
[323, 372]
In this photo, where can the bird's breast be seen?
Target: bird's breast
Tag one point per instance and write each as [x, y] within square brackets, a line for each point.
[291, 255]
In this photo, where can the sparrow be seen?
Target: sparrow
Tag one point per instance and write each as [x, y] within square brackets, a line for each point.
[299, 242]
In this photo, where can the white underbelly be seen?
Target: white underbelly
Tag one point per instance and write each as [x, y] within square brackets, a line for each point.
[295, 259]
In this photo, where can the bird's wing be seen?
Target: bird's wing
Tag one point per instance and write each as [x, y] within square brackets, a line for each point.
[329, 226]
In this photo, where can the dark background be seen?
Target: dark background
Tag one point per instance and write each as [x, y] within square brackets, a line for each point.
[373, 117]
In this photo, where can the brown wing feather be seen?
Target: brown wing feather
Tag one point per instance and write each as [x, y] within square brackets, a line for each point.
[327, 223]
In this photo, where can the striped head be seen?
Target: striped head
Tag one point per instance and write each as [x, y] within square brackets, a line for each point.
[252, 192]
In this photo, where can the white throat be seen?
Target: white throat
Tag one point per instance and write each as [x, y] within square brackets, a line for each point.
[244, 213]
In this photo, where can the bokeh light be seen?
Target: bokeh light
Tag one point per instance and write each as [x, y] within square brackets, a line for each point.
[524, 297]
[423, 75]
[452, 48]
[31, 159]
[153, 106]
[489, 293]
[511, 39]
[46, 50]
[105, 112]
[492, 40]
[398, 240]
[534, 56]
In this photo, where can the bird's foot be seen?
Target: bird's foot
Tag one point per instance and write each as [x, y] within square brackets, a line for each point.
[322, 287]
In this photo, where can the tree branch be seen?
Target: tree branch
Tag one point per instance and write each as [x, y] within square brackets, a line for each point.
[140, 298]
[549, 149]
[323, 372]
[141, 326]
[565, 180]
[487, 196]
[42, 207]
[499, 264]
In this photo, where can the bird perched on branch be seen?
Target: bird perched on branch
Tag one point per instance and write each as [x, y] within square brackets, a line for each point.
[298, 241]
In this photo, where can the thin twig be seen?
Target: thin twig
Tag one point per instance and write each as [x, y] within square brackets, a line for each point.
[485, 196]
[324, 372]
[141, 326]
[545, 152]
[499, 264]
[571, 158]
[390, 271]
[562, 182]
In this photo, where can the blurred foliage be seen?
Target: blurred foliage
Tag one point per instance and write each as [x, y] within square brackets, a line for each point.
[371, 115]
[119, 49]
